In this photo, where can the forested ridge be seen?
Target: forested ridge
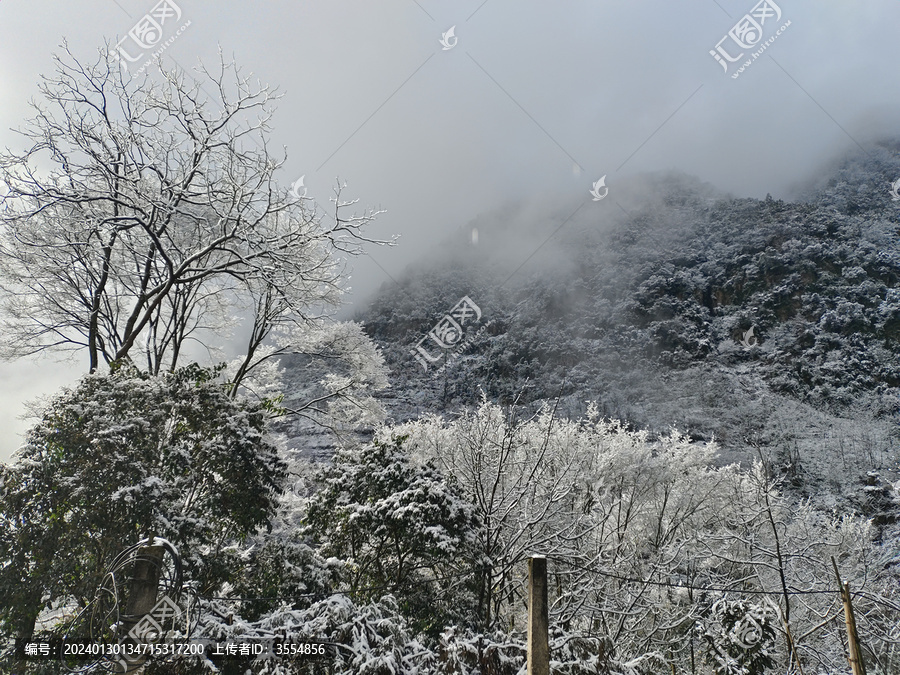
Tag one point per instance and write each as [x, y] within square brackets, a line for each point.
[647, 316]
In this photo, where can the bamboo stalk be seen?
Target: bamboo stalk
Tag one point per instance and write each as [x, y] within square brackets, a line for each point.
[855, 657]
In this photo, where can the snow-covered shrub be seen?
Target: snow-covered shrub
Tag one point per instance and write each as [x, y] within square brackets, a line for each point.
[462, 652]
[362, 638]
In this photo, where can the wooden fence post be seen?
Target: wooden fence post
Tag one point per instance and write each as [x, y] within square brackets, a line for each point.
[538, 617]
[856, 660]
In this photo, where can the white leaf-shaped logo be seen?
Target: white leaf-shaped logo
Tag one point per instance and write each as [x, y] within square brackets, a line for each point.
[596, 190]
[449, 39]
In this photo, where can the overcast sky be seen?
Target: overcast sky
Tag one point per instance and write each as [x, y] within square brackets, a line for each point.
[522, 100]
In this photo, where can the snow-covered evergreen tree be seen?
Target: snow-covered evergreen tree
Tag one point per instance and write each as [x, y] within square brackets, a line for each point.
[122, 456]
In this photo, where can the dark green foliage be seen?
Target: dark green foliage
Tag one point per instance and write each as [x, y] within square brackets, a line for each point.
[121, 456]
[400, 528]
[281, 570]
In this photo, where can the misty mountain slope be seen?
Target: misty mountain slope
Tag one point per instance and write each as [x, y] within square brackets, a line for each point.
[649, 313]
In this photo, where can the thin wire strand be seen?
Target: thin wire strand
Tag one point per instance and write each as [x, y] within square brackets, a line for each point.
[711, 589]
[593, 570]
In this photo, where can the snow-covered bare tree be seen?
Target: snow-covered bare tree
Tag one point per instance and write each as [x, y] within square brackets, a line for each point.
[645, 535]
[526, 480]
[144, 213]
